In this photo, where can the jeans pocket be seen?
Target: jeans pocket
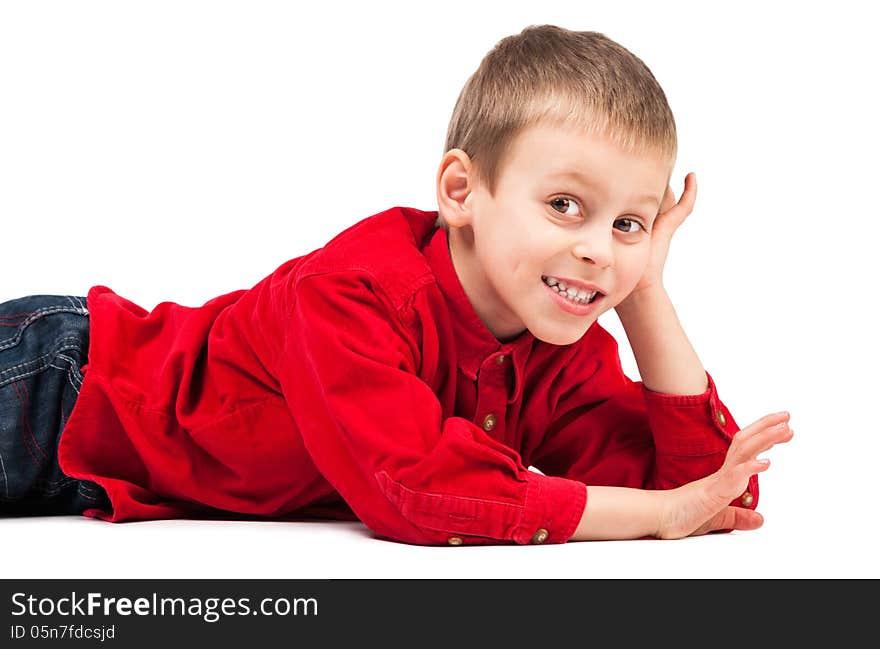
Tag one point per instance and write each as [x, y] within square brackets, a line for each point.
[44, 341]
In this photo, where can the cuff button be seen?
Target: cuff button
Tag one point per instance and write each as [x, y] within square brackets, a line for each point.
[747, 499]
[721, 418]
[454, 540]
[540, 536]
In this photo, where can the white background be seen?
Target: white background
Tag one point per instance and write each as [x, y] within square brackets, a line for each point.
[181, 150]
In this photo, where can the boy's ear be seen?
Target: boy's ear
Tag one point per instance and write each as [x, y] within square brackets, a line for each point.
[454, 184]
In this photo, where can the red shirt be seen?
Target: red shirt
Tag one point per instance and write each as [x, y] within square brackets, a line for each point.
[358, 381]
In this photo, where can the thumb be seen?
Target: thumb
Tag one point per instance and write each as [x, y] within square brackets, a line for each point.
[731, 518]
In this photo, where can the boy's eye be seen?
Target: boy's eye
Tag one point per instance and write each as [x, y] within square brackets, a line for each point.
[565, 203]
[634, 225]
[562, 201]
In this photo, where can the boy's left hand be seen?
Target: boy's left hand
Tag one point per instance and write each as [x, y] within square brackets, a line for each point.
[670, 215]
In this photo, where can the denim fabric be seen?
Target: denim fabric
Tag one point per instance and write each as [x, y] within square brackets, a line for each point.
[44, 341]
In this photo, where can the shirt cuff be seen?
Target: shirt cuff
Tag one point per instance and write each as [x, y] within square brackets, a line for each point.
[689, 424]
[552, 511]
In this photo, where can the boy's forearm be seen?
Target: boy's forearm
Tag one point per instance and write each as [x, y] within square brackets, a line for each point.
[666, 359]
[619, 513]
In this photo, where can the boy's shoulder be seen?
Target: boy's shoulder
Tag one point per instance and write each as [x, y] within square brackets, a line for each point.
[386, 247]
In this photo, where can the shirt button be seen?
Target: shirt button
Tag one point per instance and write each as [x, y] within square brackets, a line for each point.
[489, 422]
[747, 499]
[500, 359]
[721, 418]
[540, 536]
[454, 540]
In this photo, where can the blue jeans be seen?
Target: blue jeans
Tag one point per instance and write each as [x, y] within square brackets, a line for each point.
[44, 341]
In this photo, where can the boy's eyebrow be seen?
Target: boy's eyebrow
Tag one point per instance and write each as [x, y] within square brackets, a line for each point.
[576, 175]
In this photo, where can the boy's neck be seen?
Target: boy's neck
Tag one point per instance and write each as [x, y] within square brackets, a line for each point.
[463, 258]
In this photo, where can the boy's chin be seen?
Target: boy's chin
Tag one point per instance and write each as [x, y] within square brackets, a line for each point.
[562, 336]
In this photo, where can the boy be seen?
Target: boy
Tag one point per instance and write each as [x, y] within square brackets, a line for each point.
[409, 372]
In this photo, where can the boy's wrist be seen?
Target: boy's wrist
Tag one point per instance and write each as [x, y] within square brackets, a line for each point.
[618, 513]
[641, 299]
[663, 499]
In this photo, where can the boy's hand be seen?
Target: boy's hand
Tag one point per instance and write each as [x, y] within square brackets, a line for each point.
[671, 214]
[702, 506]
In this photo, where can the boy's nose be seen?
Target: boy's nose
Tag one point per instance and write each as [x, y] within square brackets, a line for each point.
[594, 250]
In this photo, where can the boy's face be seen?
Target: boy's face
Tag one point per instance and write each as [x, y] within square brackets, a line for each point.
[543, 223]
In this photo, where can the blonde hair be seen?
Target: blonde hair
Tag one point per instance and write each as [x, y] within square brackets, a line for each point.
[548, 74]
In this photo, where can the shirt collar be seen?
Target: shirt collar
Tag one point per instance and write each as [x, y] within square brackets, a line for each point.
[476, 344]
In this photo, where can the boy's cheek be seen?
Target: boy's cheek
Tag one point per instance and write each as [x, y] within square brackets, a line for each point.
[627, 285]
[631, 279]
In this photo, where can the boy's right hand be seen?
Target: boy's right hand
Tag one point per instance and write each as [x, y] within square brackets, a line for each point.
[703, 505]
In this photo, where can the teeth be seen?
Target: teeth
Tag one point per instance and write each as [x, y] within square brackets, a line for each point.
[580, 296]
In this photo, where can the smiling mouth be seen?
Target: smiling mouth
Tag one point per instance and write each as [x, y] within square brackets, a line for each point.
[572, 294]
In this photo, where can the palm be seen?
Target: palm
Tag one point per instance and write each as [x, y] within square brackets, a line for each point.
[703, 506]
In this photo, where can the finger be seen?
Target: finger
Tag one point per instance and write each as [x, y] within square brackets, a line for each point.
[736, 479]
[731, 518]
[675, 215]
[763, 441]
[668, 200]
[689, 196]
[745, 437]
[739, 518]
[746, 519]
[761, 424]
[733, 480]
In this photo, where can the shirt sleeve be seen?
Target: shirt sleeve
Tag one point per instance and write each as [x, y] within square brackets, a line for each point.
[377, 433]
[612, 430]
